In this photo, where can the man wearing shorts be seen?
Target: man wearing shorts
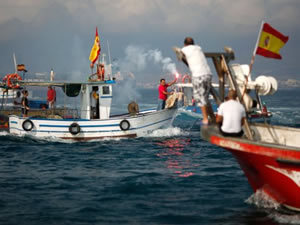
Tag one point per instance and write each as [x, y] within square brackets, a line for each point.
[201, 74]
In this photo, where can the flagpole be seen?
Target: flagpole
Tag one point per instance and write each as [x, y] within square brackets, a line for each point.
[253, 58]
[15, 62]
[98, 66]
[255, 49]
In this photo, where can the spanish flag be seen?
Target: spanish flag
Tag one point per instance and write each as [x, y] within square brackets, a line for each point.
[270, 42]
[95, 49]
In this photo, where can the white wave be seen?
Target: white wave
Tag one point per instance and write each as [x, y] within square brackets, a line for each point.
[262, 200]
[284, 109]
[4, 133]
[71, 141]
[190, 113]
[48, 139]
[285, 218]
[167, 132]
[273, 208]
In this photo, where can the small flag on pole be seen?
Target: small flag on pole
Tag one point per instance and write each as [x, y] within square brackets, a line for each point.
[95, 49]
[270, 42]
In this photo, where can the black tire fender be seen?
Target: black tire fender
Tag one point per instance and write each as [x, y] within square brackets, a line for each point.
[27, 125]
[74, 128]
[124, 125]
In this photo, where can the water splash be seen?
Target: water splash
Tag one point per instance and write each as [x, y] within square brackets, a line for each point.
[274, 210]
[262, 200]
[4, 133]
[168, 132]
[285, 218]
[190, 113]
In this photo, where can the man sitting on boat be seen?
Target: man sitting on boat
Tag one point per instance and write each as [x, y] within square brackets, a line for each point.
[231, 116]
[163, 93]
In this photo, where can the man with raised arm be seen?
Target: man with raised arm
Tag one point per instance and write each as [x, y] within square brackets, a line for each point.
[201, 74]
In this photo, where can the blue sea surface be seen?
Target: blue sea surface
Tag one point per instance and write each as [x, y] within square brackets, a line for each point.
[171, 176]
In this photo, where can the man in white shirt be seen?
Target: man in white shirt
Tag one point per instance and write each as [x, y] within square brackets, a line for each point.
[231, 114]
[201, 74]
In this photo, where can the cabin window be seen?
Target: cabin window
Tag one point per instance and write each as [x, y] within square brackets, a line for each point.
[105, 90]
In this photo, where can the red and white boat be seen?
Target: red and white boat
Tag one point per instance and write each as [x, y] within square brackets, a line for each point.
[269, 155]
[271, 161]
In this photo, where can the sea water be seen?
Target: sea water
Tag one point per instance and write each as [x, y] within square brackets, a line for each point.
[171, 176]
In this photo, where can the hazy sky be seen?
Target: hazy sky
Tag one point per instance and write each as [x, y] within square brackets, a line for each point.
[59, 34]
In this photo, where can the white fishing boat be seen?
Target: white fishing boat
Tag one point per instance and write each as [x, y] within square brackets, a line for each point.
[90, 123]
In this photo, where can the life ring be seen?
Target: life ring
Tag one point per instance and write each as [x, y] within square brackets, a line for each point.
[8, 79]
[124, 125]
[5, 78]
[186, 77]
[74, 128]
[27, 125]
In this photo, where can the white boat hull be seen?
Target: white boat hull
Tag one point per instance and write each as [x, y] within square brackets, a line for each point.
[139, 125]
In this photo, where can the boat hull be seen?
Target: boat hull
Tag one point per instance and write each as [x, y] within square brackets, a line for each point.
[115, 127]
[273, 168]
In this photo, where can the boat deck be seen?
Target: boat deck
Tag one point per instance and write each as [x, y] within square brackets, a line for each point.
[263, 134]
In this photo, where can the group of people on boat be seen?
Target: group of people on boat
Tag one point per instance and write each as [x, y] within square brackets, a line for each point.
[24, 103]
[231, 113]
[193, 56]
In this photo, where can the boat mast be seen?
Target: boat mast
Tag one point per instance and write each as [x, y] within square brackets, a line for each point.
[15, 62]
[109, 59]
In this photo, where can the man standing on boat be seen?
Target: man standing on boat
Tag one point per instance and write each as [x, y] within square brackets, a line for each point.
[201, 74]
[94, 103]
[163, 93]
[231, 115]
[25, 104]
[51, 97]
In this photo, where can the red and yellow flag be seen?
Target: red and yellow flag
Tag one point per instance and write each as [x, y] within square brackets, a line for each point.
[21, 67]
[270, 42]
[95, 49]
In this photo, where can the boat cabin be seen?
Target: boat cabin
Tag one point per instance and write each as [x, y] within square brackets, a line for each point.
[96, 99]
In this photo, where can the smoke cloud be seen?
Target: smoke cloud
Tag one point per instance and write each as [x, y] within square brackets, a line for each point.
[138, 58]
[138, 61]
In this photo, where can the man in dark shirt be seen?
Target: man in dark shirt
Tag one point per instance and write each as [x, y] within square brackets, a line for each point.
[24, 103]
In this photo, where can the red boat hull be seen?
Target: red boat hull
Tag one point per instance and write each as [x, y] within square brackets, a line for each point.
[276, 171]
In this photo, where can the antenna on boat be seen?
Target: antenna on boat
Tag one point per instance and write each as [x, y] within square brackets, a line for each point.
[109, 59]
[15, 62]
[108, 52]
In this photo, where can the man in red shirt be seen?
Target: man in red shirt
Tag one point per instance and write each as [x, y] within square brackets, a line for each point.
[163, 93]
[51, 97]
